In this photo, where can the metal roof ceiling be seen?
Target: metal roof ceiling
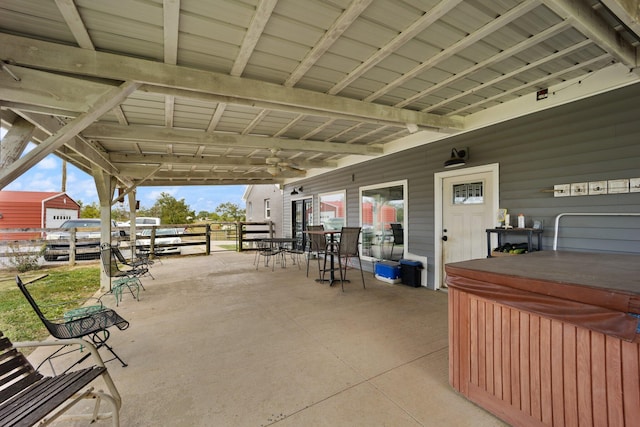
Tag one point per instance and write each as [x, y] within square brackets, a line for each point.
[189, 92]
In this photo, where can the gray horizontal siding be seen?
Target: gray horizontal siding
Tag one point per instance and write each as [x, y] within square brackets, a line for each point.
[593, 139]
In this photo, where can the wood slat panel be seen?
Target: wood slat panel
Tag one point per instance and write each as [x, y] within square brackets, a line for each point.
[497, 351]
[464, 355]
[526, 386]
[631, 382]
[557, 371]
[482, 346]
[514, 356]
[473, 330]
[614, 381]
[505, 353]
[598, 380]
[534, 371]
[583, 362]
[453, 339]
[534, 361]
[569, 375]
[489, 348]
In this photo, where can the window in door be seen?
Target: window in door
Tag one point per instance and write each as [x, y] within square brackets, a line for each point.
[383, 219]
[471, 193]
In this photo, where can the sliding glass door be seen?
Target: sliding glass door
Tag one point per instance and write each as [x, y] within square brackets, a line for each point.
[302, 216]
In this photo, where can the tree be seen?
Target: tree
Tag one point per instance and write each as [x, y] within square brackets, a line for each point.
[119, 213]
[89, 211]
[230, 212]
[203, 215]
[171, 210]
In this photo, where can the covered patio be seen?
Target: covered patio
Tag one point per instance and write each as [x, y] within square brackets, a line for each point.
[215, 342]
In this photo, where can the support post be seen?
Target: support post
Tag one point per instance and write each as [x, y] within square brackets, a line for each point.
[207, 238]
[105, 185]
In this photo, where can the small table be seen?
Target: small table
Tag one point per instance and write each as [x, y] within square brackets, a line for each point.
[279, 244]
[332, 241]
[502, 231]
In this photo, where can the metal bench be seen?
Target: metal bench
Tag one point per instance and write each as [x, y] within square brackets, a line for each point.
[28, 397]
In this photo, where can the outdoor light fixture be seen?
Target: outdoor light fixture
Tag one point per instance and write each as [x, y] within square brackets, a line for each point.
[458, 158]
[296, 192]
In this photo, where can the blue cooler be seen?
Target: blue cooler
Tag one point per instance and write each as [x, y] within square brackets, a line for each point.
[388, 271]
[410, 272]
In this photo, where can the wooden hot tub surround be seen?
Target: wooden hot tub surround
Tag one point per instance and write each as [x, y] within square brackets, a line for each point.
[546, 339]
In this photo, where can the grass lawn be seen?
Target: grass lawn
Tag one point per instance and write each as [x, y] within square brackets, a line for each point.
[63, 289]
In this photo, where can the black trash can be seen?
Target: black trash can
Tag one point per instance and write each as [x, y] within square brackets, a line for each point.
[410, 272]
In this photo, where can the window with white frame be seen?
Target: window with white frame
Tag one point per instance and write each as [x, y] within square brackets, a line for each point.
[381, 206]
[267, 208]
[333, 210]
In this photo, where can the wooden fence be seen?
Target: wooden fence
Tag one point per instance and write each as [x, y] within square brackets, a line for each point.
[31, 242]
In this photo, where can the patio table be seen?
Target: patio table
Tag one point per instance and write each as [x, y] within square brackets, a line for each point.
[332, 241]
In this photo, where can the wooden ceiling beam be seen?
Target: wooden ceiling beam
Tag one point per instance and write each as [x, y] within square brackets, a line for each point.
[586, 20]
[181, 136]
[79, 147]
[57, 57]
[66, 133]
[119, 158]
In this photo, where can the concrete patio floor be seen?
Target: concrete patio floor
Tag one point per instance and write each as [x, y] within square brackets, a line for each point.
[213, 342]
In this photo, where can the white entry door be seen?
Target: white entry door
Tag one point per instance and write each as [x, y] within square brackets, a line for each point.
[469, 207]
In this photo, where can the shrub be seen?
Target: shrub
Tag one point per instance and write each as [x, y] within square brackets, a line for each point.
[24, 260]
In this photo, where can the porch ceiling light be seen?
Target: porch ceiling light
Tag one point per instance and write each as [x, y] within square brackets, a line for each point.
[458, 158]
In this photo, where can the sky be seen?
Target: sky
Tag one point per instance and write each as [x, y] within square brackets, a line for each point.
[47, 176]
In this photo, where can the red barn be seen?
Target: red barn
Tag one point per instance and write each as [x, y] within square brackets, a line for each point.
[385, 215]
[34, 209]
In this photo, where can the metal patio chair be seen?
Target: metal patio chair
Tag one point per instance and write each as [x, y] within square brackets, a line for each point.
[398, 236]
[138, 262]
[346, 249]
[121, 279]
[295, 250]
[317, 245]
[92, 322]
[268, 250]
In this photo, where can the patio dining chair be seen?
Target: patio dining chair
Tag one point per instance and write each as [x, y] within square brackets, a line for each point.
[398, 236]
[268, 250]
[346, 249]
[296, 251]
[93, 323]
[317, 246]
